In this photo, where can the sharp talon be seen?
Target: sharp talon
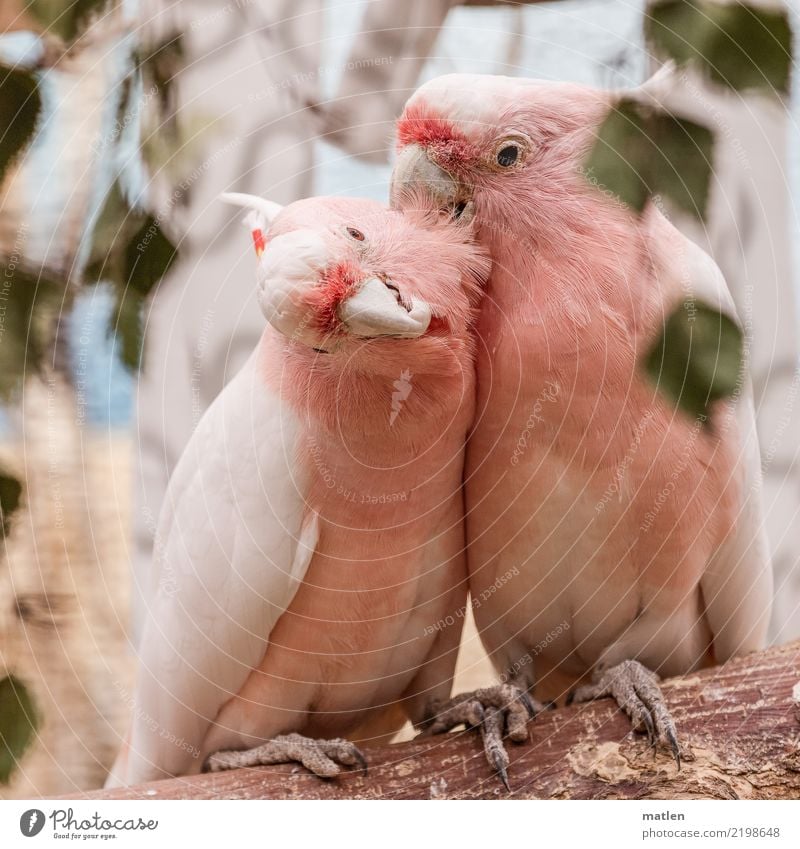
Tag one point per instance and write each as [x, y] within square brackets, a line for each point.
[673, 744]
[528, 702]
[551, 705]
[362, 760]
[570, 698]
[650, 726]
[501, 769]
[504, 778]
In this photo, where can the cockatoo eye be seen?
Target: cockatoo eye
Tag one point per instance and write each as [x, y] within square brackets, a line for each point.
[508, 155]
[510, 152]
[355, 234]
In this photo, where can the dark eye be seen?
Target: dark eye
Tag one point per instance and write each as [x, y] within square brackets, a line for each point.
[507, 155]
[355, 234]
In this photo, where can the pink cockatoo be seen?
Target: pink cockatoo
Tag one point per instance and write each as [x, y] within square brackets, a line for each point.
[313, 529]
[609, 535]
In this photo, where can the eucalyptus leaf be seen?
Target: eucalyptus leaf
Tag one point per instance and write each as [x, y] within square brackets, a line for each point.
[10, 492]
[67, 18]
[131, 251]
[127, 328]
[617, 161]
[160, 67]
[115, 226]
[698, 358]
[20, 107]
[641, 152]
[30, 301]
[19, 722]
[680, 168]
[739, 45]
[148, 256]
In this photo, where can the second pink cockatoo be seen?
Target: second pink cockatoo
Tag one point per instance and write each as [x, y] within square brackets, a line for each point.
[313, 529]
[609, 535]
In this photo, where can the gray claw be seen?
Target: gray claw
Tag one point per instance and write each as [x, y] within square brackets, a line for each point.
[528, 702]
[503, 773]
[673, 744]
[361, 758]
[650, 726]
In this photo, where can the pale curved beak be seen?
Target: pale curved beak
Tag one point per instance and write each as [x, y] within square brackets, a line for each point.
[414, 172]
[376, 310]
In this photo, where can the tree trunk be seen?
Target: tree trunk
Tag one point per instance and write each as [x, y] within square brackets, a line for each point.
[63, 595]
[738, 725]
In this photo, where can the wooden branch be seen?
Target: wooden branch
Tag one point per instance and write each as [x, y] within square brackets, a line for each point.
[739, 725]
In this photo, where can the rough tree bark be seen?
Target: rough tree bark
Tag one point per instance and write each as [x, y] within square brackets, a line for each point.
[739, 726]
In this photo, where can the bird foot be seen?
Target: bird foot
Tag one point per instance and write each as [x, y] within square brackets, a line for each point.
[635, 689]
[322, 757]
[500, 710]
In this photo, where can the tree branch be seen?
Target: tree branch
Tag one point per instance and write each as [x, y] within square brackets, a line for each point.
[739, 726]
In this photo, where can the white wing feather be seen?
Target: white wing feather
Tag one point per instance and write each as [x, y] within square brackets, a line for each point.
[737, 584]
[233, 545]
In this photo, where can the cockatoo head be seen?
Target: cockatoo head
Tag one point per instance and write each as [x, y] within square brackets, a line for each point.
[334, 272]
[504, 149]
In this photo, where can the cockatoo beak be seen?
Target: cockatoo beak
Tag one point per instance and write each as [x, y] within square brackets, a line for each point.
[262, 214]
[414, 172]
[377, 310]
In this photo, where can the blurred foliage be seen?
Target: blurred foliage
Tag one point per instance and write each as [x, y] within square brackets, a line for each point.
[698, 358]
[159, 68]
[10, 493]
[30, 302]
[148, 256]
[172, 141]
[641, 152]
[67, 18]
[131, 251]
[126, 326]
[20, 105]
[738, 45]
[19, 722]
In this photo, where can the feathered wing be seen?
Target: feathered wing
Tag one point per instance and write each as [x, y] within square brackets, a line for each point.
[737, 583]
[234, 541]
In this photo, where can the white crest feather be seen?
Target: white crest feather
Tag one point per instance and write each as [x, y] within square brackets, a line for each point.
[263, 212]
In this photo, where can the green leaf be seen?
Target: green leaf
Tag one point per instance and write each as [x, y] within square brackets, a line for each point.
[126, 327]
[698, 358]
[18, 724]
[680, 167]
[148, 256]
[115, 225]
[30, 301]
[741, 46]
[10, 492]
[160, 68]
[66, 18]
[616, 161]
[130, 250]
[641, 152]
[20, 105]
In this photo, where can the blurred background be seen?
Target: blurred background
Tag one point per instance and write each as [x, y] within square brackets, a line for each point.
[145, 111]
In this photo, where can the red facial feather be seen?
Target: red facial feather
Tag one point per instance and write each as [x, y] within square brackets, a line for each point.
[336, 284]
[421, 125]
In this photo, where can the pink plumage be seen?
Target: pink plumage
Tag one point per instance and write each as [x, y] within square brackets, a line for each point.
[313, 534]
[632, 532]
